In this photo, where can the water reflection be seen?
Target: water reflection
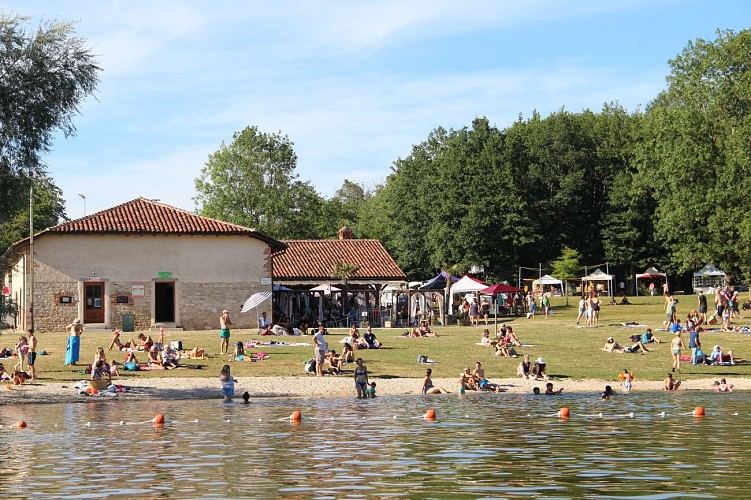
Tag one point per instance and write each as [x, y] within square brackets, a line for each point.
[480, 446]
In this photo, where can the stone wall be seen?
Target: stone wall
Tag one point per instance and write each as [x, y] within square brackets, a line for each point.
[201, 304]
[138, 307]
[50, 314]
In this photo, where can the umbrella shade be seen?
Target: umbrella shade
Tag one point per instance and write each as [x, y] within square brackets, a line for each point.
[500, 288]
[326, 288]
[255, 300]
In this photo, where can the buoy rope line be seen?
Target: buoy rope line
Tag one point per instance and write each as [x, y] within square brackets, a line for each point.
[430, 415]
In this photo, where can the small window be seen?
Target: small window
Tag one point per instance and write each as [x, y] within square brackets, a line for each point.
[122, 299]
[66, 299]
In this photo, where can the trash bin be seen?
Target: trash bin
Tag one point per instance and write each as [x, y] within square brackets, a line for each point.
[129, 323]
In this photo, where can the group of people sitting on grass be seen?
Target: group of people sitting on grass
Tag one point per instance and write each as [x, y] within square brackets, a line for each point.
[159, 356]
[421, 330]
[504, 342]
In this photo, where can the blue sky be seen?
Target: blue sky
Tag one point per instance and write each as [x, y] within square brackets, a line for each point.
[353, 84]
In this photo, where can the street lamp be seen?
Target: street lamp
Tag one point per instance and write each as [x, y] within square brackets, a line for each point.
[83, 197]
[30, 319]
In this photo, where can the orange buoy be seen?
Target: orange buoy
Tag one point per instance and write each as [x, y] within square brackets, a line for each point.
[698, 411]
[564, 412]
[21, 424]
[430, 415]
[158, 419]
[296, 416]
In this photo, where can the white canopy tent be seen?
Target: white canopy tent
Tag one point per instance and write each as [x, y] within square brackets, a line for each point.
[599, 276]
[650, 273]
[548, 280]
[468, 284]
[708, 279]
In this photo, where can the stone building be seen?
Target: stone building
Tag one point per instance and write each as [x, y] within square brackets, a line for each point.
[141, 264]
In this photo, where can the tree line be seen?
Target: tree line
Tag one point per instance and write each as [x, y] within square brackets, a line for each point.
[667, 185]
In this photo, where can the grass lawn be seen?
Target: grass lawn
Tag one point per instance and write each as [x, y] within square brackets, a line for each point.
[570, 352]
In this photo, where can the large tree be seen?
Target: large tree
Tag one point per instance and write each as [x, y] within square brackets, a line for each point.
[45, 74]
[252, 182]
[44, 77]
[698, 157]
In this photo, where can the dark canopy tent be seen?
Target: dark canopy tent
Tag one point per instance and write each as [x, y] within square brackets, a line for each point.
[438, 282]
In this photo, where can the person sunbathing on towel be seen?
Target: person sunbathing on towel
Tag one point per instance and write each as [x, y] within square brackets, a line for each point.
[612, 346]
[146, 342]
[155, 359]
[116, 342]
[130, 356]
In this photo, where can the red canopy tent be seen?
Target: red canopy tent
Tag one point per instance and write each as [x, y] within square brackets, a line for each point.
[495, 290]
[500, 288]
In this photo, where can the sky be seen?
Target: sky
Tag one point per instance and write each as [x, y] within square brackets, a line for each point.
[354, 85]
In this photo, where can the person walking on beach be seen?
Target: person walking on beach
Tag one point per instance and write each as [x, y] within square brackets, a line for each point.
[361, 379]
[73, 352]
[319, 353]
[31, 354]
[224, 324]
[676, 346]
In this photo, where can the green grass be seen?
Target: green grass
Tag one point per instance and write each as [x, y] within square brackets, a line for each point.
[569, 352]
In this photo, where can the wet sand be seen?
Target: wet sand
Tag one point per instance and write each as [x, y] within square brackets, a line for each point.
[302, 386]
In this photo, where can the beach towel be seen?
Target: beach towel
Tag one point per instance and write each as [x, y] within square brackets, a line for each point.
[73, 350]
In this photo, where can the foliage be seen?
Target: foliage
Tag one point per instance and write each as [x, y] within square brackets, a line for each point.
[567, 265]
[49, 207]
[699, 158]
[252, 182]
[44, 77]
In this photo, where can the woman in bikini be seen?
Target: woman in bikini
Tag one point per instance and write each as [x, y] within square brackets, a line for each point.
[595, 309]
[676, 345]
[524, 367]
[361, 378]
[428, 387]
[131, 344]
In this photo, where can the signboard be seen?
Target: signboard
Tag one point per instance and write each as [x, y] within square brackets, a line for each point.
[6, 290]
[165, 274]
[265, 281]
[137, 289]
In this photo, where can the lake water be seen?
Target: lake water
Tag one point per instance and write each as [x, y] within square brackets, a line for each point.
[481, 446]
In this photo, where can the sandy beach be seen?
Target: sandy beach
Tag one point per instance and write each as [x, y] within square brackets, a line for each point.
[306, 386]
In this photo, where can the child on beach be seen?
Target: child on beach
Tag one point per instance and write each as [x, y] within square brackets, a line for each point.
[228, 384]
[370, 392]
[626, 379]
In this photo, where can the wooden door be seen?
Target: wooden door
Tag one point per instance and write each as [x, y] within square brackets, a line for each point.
[93, 311]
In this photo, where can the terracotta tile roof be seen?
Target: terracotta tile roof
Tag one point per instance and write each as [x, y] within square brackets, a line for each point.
[142, 216]
[315, 260]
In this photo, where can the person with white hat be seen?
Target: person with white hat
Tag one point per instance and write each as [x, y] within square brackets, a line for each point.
[72, 354]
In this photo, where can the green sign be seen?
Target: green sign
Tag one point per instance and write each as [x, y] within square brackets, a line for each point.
[165, 274]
